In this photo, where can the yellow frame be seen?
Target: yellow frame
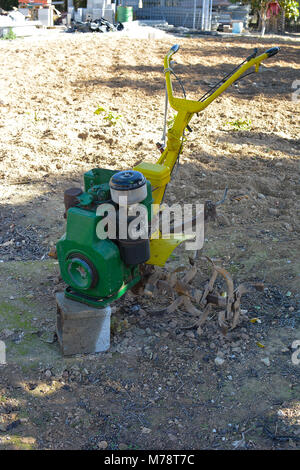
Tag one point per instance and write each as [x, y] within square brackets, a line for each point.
[162, 248]
[187, 108]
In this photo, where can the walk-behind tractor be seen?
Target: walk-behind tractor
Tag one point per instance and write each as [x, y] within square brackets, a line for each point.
[98, 271]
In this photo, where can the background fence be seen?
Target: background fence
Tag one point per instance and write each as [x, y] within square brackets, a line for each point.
[188, 13]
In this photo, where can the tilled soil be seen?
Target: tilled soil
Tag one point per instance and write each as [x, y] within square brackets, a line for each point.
[158, 386]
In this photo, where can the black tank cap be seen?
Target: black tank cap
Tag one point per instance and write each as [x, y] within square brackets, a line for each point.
[127, 180]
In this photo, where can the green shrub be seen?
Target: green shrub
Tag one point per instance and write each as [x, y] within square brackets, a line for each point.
[9, 35]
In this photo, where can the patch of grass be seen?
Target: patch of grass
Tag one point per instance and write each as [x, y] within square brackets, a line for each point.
[10, 35]
[111, 118]
[133, 447]
[240, 125]
[22, 443]
[10, 317]
[170, 122]
[233, 268]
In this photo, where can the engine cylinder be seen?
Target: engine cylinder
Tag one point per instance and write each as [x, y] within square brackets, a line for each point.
[130, 184]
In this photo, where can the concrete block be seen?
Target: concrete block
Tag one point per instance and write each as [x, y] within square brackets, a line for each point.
[97, 13]
[109, 15]
[81, 329]
[45, 16]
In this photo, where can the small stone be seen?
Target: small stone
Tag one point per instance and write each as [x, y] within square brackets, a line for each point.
[273, 211]
[261, 196]
[135, 308]
[48, 373]
[219, 361]
[199, 331]
[223, 220]
[266, 361]
[190, 334]
[146, 430]
[236, 350]
[140, 331]
[83, 135]
[288, 227]
[102, 445]
[212, 346]
[6, 332]
[123, 446]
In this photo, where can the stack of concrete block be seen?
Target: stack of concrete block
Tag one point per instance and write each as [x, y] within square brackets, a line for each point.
[45, 16]
[71, 12]
[101, 9]
[17, 23]
[80, 14]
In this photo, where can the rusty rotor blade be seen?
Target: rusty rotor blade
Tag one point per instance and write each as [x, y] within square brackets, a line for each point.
[170, 309]
[172, 278]
[222, 322]
[249, 287]
[190, 307]
[165, 286]
[183, 288]
[189, 276]
[205, 314]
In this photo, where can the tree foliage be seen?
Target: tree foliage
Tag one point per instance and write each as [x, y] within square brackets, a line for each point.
[8, 5]
[290, 7]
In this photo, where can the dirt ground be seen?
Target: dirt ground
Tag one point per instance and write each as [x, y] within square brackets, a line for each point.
[159, 386]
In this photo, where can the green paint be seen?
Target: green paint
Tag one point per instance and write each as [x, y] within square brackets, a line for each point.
[91, 267]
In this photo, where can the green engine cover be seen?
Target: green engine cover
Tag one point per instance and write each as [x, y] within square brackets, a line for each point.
[93, 268]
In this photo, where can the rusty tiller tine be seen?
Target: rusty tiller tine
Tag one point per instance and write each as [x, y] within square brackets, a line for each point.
[230, 290]
[190, 307]
[210, 285]
[230, 286]
[189, 276]
[222, 322]
[205, 314]
[249, 287]
[165, 286]
[239, 291]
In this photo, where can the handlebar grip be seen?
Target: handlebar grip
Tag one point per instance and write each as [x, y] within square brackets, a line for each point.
[175, 48]
[253, 55]
[272, 51]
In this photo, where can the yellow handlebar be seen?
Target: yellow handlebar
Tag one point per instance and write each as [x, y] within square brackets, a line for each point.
[159, 173]
[190, 106]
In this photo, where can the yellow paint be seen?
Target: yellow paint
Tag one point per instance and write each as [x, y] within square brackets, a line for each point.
[162, 248]
[159, 173]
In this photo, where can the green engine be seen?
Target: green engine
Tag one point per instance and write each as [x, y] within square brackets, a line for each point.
[100, 270]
